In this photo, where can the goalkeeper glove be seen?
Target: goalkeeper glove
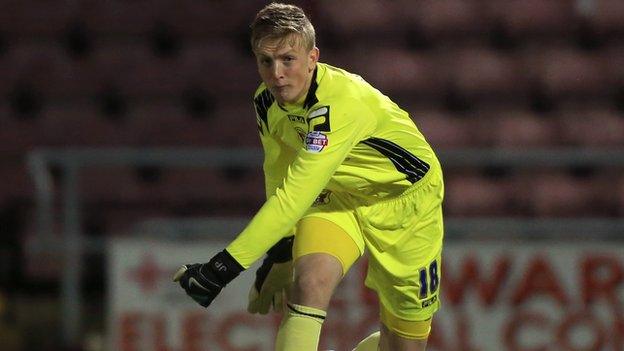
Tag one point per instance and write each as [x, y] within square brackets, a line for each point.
[203, 282]
[272, 279]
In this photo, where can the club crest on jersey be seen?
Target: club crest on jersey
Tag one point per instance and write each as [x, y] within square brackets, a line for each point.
[315, 142]
[323, 198]
[301, 133]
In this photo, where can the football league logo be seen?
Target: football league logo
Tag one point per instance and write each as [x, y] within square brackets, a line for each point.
[315, 142]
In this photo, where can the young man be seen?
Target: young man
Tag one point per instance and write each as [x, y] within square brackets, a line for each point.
[347, 170]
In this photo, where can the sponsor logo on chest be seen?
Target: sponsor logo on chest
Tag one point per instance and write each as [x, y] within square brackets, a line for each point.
[297, 119]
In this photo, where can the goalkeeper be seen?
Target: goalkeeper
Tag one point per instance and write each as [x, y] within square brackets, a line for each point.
[346, 170]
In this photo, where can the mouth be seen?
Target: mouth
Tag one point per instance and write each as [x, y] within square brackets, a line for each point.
[279, 88]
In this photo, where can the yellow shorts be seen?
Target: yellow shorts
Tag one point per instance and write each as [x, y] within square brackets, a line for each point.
[403, 236]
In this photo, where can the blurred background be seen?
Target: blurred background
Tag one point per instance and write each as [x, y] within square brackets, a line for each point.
[116, 112]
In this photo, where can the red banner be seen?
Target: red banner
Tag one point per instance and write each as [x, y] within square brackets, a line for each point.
[520, 297]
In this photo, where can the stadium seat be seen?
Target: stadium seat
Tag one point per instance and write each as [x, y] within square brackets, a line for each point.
[216, 19]
[137, 71]
[471, 194]
[110, 184]
[117, 17]
[45, 67]
[485, 74]
[567, 73]
[17, 135]
[619, 193]
[214, 184]
[592, 127]
[606, 15]
[443, 19]
[79, 124]
[533, 17]
[360, 22]
[38, 18]
[17, 183]
[606, 193]
[408, 74]
[510, 128]
[611, 59]
[443, 129]
[555, 194]
[237, 126]
[221, 68]
[164, 123]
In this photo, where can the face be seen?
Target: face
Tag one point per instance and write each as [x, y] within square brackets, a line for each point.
[286, 68]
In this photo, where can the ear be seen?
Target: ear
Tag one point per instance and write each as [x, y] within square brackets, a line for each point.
[313, 57]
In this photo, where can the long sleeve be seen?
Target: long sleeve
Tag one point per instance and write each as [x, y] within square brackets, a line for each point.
[277, 158]
[324, 150]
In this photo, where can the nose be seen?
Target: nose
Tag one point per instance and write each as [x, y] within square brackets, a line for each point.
[278, 71]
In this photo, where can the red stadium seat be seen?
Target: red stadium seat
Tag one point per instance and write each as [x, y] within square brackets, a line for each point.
[442, 18]
[606, 192]
[352, 16]
[355, 22]
[113, 184]
[137, 71]
[46, 67]
[37, 18]
[533, 17]
[611, 59]
[597, 127]
[619, 193]
[555, 194]
[237, 124]
[397, 71]
[509, 128]
[79, 124]
[485, 74]
[213, 184]
[605, 15]
[473, 195]
[221, 68]
[567, 72]
[443, 129]
[122, 17]
[17, 136]
[212, 18]
[164, 123]
[17, 183]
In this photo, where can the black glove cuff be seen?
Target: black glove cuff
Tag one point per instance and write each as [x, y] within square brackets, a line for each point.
[282, 251]
[223, 266]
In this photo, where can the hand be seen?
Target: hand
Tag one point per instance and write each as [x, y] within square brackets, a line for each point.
[272, 279]
[203, 282]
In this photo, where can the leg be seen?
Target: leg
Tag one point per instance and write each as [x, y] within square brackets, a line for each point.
[390, 341]
[316, 277]
[323, 252]
[404, 238]
[371, 343]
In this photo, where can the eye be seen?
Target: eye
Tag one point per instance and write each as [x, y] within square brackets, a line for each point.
[265, 62]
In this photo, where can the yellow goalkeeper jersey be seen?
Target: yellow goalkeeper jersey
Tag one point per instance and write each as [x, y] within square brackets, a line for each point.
[346, 137]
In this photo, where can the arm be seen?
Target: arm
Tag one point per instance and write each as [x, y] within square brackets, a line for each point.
[323, 151]
[305, 179]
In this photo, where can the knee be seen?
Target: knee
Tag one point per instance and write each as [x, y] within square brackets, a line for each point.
[315, 281]
[314, 284]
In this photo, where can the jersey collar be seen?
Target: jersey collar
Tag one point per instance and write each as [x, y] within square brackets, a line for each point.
[310, 98]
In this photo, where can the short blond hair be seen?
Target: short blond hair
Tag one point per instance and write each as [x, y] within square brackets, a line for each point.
[280, 21]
